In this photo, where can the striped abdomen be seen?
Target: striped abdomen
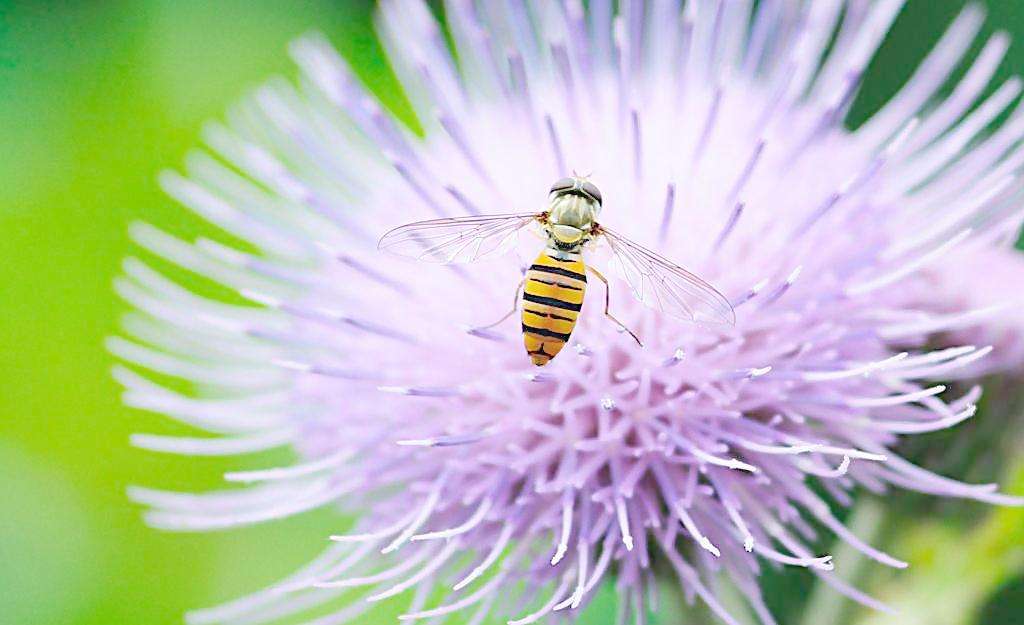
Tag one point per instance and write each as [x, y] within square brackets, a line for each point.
[552, 298]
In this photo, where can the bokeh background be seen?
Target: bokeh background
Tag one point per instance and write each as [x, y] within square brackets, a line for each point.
[95, 99]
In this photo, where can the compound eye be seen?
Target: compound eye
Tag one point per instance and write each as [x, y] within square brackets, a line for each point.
[563, 185]
[592, 191]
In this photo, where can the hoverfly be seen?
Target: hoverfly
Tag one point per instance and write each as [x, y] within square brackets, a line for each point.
[552, 289]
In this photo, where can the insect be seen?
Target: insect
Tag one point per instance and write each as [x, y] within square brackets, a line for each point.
[552, 289]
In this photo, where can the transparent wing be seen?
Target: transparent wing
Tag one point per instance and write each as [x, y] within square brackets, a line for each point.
[457, 239]
[664, 286]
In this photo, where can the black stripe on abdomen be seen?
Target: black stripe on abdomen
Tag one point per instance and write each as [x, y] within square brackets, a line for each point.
[550, 301]
[548, 315]
[550, 334]
[557, 284]
[560, 272]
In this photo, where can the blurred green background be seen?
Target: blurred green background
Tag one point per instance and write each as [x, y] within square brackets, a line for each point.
[95, 99]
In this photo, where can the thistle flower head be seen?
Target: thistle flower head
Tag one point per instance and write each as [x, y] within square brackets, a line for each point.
[715, 135]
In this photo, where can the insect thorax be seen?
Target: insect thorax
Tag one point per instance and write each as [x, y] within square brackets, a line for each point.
[570, 220]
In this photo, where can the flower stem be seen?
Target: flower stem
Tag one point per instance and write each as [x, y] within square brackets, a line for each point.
[825, 605]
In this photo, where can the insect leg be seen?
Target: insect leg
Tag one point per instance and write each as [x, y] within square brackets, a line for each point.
[607, 299]
[515, 306]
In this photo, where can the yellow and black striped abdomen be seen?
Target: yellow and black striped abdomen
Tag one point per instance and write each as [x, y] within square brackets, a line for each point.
[552, 298]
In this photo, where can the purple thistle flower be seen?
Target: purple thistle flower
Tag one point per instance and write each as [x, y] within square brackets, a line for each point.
[716, 137]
